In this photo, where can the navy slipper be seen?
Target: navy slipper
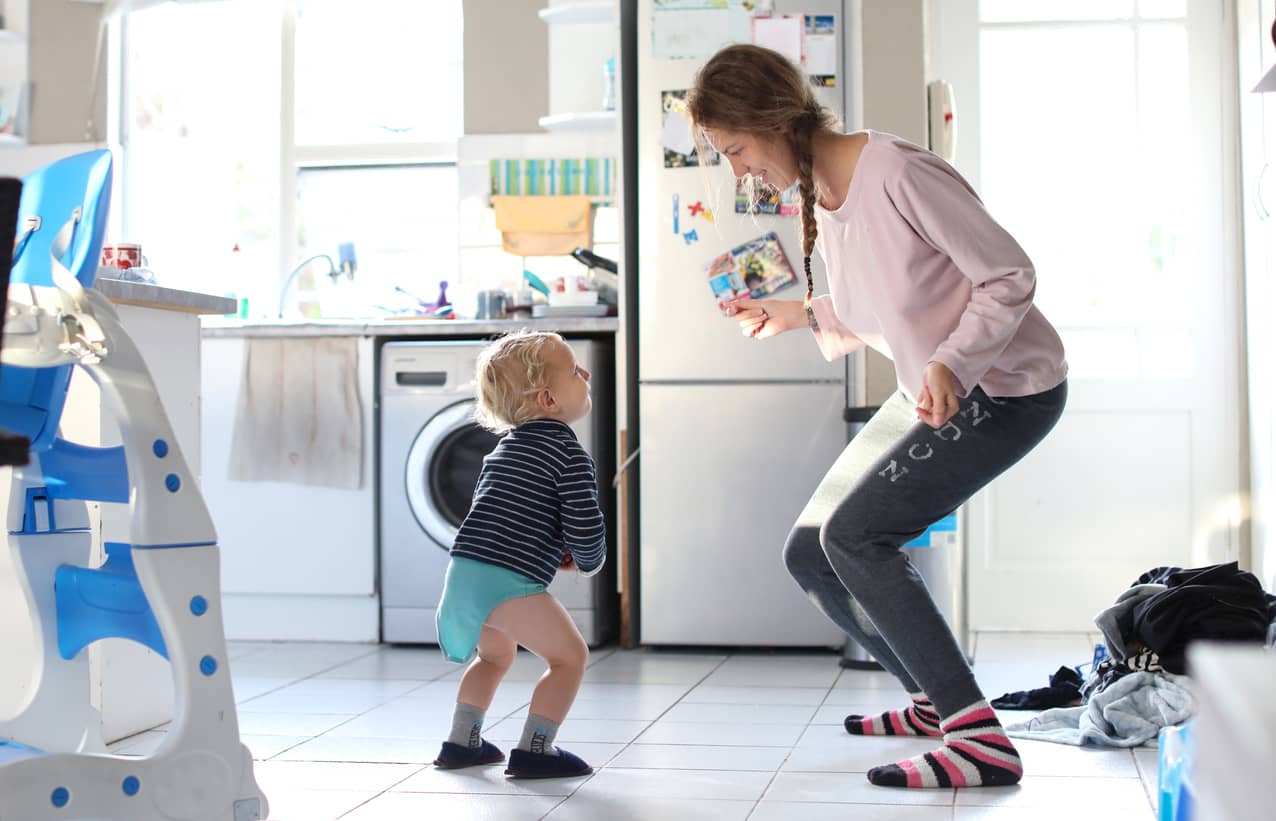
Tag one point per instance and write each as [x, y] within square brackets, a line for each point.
[456, 756]
[529, 765]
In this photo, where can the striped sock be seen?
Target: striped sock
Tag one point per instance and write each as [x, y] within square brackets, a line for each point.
[976, 753]
[919, 719]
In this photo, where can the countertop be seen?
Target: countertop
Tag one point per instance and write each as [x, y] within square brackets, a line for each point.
[226, 327]
[164, 299]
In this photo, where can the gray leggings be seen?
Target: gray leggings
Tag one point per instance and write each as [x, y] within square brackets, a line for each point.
[896, 478]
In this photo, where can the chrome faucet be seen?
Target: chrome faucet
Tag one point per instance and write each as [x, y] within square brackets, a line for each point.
[348, 266]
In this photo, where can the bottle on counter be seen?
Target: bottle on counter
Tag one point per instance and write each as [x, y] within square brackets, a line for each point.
[609, 84]
[237, 278]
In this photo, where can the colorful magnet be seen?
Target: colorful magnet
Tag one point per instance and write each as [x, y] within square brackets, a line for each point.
[691, 236]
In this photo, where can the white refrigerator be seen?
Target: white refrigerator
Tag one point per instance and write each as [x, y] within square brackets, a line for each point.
[735, 433]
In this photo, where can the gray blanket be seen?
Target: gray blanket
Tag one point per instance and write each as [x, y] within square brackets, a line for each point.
[1130, 712]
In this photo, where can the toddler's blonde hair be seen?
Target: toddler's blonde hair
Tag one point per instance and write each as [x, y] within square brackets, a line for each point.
[510, 371]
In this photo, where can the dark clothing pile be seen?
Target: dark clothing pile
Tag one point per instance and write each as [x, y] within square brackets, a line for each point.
[1129, 697]
[1216, 603]
[1064, 691]
[1151, 623]
[1109, 671]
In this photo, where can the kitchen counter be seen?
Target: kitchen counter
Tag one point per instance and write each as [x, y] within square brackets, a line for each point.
[124, 292]
[215, 327]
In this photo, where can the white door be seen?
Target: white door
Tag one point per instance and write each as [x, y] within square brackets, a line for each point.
[1258, 153]
[1100, 133]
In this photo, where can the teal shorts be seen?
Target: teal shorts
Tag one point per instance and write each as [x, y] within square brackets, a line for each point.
[471, 591]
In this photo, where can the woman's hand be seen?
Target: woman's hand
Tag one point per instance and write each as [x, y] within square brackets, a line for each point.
[567, 562]
[938, 401]
[762, 318]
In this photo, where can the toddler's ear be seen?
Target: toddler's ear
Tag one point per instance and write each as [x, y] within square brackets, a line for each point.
[545, 401]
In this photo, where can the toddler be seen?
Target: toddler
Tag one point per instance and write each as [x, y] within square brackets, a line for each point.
[535, 511]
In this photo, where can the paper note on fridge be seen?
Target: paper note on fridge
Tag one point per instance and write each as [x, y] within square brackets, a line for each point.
[821, 45]
[676, 135]
[689, 33]
[782, 34]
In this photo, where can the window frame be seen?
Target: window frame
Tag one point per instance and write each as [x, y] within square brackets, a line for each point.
[293, 158]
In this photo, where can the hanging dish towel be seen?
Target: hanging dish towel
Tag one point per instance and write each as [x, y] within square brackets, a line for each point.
[299, 417]
[544, 226]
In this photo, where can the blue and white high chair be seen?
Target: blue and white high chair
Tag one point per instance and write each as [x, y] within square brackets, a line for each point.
[161, 589]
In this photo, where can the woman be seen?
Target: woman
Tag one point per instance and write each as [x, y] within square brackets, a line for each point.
[919, 271]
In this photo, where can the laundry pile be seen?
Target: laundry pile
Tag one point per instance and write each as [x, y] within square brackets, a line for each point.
[1142, 686]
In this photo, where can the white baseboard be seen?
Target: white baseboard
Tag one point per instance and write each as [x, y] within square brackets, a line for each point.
[251, 617]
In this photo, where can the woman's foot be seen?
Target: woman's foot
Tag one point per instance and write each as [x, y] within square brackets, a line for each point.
[919, 719]
[561, 764]
[976, 753]
[456, 756]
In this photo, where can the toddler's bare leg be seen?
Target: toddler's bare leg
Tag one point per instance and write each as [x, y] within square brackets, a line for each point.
[542, 625]
[496, 652]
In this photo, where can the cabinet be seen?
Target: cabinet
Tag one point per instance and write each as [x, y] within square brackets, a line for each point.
[298, 561]
[14, 85]
[582, 37]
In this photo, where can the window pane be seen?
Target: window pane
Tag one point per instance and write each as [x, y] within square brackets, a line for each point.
[378, 71]
[402, 221]
[201, 157]
[1020, 11]
[1164, 9]
[1079, 160]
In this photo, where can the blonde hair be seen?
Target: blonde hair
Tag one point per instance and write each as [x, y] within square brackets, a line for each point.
[509, 373]
[757, 91]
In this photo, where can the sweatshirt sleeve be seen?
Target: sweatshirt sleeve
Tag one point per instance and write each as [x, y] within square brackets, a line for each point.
[834, 338]
[949, 217]
[579, 516]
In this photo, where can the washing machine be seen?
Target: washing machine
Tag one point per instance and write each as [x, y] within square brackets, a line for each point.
[431, 452]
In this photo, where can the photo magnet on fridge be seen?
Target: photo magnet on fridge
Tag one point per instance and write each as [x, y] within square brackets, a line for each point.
[676, 139]
[756, 269]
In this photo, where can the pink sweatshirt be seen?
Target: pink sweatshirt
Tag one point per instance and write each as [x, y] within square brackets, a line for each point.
[919, 271]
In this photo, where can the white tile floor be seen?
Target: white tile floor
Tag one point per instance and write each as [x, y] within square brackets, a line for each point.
[348, 731]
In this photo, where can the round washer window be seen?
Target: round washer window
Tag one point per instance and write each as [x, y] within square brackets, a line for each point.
[454, 470]
[442, 469]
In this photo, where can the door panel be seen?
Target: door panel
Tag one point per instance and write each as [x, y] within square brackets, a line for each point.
[726, 469]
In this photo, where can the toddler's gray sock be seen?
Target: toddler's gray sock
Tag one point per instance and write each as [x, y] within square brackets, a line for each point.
[538, 735]
[467, 724]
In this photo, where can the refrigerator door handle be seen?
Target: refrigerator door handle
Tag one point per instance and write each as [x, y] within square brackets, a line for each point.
[859, 415]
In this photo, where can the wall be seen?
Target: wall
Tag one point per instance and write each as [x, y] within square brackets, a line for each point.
[63, 43]
[892, 85]
[506, 66]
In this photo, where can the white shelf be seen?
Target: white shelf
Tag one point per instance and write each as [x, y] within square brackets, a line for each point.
[574, 13]
[11, 139]
[590, 122]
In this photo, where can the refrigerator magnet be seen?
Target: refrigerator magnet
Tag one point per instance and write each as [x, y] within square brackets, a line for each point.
[691, 236]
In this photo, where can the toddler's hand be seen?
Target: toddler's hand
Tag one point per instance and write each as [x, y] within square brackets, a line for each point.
[567, 562]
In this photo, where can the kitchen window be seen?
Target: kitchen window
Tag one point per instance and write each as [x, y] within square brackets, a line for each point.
[286, 127]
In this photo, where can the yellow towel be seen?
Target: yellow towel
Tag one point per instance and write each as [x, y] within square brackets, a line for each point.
[544, 226]
[299, 418]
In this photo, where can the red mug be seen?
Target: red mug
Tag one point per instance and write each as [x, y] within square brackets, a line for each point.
[122, 255]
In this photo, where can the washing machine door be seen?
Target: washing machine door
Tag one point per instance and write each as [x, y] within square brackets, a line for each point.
[443, 469]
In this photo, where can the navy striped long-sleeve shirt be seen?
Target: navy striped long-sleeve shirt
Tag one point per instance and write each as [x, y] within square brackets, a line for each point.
[537, 496]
